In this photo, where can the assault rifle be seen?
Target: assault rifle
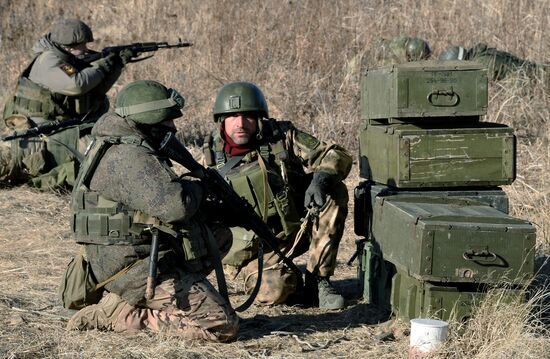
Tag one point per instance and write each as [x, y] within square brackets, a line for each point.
[175, 150]
[137, 47]
[45, 128]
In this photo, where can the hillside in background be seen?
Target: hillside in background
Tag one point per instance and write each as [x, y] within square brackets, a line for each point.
[306, 55]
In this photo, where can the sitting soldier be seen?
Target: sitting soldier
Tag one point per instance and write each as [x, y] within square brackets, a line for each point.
[285, 174]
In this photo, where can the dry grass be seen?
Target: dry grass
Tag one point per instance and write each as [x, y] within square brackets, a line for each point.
[306, 56]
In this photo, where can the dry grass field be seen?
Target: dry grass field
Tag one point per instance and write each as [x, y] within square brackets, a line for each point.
[306, 56]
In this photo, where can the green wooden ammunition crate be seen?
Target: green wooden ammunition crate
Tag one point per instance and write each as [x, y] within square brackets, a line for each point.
[365, 195]
[415, 156]
[413, 298]
[422, 89]
[453, 240]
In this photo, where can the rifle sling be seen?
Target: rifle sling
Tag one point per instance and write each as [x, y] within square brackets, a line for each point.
[229, 165]
[214, 251]
[244, 306]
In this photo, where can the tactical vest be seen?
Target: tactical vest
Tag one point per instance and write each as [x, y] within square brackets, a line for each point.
[33, 100]
[269, 165]
[98, 220]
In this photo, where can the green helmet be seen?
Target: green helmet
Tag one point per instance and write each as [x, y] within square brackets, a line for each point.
[453, 53]
[240, 97]
[71, 32]
[417, 49]
[148, 102]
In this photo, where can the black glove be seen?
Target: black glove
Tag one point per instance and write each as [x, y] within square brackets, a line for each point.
[109, 63]
[316, 193]
[126, 56]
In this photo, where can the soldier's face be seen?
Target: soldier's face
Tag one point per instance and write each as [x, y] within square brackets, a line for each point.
[241, 127]
[78, 49]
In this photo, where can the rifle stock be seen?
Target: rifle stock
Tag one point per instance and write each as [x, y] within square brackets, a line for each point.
[176, 151]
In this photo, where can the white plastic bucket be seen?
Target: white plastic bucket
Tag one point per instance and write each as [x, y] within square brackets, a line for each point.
[427, 334]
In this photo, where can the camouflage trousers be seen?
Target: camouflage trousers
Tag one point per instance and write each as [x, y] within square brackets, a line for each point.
[320, 239]
[184, 305]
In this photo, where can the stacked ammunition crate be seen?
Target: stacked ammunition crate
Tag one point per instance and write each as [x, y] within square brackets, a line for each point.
[435, 224]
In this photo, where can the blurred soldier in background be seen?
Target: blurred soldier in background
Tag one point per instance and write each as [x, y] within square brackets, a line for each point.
[401, 49]
[285, 174]
[56, 85]
[125, 191]
[499, 63]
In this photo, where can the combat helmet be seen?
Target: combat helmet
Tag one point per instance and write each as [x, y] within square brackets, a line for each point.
[417, 49]
[453, 53]
[239, 97]
[148, 102]
[71, 32]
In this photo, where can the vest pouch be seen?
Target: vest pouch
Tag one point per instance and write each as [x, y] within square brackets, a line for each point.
[243, 249]
[28, 158]
[290, 219]
[106, 229]
[248, 181]
[58, 176]
[58, 153]
[193, 242]
[79, 287]
[33, 100]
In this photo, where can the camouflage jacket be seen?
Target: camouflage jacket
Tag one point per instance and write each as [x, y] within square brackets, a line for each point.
[501, 63]
[140, 181]
[290, 157]
[54, 86]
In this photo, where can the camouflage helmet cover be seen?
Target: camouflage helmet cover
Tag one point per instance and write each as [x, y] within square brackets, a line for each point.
[417, 49]
[148, 102]
[239, 97]
[453, 53]
[71, 32]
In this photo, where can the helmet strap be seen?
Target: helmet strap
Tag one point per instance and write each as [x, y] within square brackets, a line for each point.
[175, 99]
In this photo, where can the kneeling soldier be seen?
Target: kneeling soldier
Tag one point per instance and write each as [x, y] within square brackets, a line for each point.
[125, 193]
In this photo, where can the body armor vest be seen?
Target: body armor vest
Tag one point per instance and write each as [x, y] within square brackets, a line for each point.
[33, 100]
[95, 219]
[98, 220]
[266, 178]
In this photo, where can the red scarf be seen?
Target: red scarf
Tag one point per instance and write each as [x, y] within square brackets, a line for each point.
[233, 149]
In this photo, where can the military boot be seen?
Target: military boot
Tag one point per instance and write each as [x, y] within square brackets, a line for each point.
[101, 316]
[319, 292]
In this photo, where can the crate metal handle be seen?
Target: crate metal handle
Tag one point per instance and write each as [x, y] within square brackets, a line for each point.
[443, 98]
[488, 256]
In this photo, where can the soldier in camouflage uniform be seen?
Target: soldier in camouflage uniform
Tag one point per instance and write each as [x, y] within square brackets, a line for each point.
[56, 85]
[499, 63]
[283, 172]
[124, 187]
[401, 49]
